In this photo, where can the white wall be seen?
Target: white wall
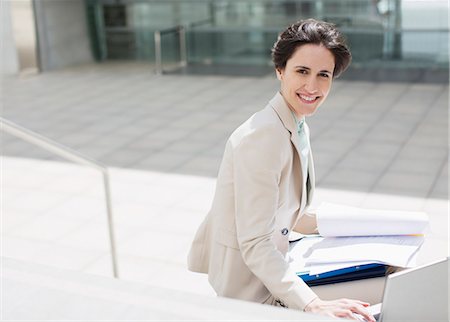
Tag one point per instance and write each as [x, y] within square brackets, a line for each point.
[8, 53]
[62, 33]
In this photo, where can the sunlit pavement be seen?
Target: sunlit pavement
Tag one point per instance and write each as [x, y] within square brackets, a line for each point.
[54, 214]
[368, 136]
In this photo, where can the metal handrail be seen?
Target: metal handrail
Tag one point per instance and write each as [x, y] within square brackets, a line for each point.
[74, 156]
[158, 48]
[181, 29]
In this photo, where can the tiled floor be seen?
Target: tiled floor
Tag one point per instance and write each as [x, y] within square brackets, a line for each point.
[378, 145]
[372, 137]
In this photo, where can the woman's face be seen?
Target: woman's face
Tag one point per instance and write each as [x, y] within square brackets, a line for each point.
[306, 79]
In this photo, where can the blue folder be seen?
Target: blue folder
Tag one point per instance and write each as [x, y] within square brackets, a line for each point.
[345, 274]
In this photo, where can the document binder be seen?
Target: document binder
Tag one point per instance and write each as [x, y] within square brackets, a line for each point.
[345, 274]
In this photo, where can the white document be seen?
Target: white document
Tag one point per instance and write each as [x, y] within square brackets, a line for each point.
[297, 253]
[352, 236]
[391, 250]
[340, 220]
[323, 268]
[316, 255]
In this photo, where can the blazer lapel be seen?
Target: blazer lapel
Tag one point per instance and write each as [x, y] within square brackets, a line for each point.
[284, 113]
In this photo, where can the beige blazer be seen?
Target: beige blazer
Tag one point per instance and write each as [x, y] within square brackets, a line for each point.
[260, 195]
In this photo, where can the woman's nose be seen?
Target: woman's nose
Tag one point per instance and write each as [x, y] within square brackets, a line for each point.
[311, 85]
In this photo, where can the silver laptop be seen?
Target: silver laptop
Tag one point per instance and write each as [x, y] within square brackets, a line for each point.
[417, 294]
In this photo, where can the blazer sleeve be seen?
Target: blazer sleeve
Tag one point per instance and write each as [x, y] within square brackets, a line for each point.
[258, 162]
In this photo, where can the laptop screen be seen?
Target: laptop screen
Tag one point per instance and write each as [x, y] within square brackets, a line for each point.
[418, 294]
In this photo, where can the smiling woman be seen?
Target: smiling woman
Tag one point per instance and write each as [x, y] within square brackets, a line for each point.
[306, 79]
[266, 182]
[307, 56]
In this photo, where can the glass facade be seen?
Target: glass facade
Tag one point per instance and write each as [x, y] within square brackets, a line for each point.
[404, 34]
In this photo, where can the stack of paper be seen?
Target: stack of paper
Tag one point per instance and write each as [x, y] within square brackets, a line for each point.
[335, 220]
[317, 255]
[353, 239]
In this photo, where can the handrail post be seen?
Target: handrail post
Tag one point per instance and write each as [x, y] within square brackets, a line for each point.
[158, 60]
[74, 156]
[183, 48]
[110, 223]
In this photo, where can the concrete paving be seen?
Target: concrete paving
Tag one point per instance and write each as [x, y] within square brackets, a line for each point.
[378, 145]
[54, 214]
[368, 136]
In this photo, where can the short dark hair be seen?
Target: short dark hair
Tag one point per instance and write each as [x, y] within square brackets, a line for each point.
[312, 31]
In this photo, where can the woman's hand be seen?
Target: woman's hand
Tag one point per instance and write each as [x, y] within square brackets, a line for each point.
[341, 308]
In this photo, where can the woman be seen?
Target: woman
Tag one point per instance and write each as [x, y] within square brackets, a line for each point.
[266, 182]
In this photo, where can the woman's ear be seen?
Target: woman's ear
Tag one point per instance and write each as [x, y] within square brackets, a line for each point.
[279, 74]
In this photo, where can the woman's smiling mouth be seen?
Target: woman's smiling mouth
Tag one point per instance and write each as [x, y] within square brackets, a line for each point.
[307, 99]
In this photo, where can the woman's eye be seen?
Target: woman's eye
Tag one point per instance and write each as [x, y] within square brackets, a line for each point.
[324, 75]
[302, 71]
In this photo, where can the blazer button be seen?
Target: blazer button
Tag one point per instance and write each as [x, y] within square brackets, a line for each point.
[284, 231]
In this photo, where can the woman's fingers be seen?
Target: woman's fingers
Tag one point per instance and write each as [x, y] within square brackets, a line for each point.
[345, 300]
[345, 313]
[361, 310]
[365, 304]
[343, 308]
[359, 307]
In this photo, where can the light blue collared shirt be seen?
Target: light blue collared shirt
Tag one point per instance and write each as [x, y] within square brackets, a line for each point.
[304, 145]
